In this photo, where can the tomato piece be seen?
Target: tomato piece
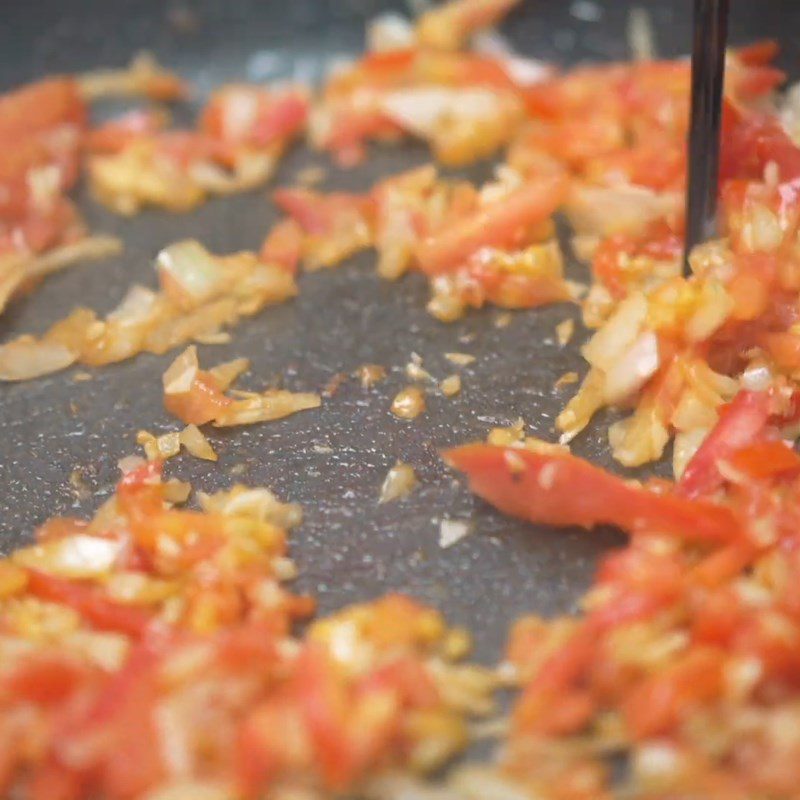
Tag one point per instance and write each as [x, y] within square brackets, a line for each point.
[784, 347]
[242, 114]
[658, 166]
[44, 679]
[117, 730]
[203, 402]
[40, 107]
[563, 490]
[55, 781]
[658, 704]
[502, 224]
[537, 708]
[614, 260]
[320, 214]
[759, 53]
[756, 81]
[283, 246]
[754, 142]
[281, 119]
[766, 460]
[724, 564]
[90, 603]
[740, 423]
[351, 128]
[389, 62]
[324, 707]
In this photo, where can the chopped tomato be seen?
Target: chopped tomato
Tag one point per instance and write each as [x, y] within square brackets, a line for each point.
[741, 423]
[203, 402]
[759, 53]
[502, 224]
[241, 114]
[283, 246]
[41, 107]
[560, 489]
[766, 460]
[755, 142]
[45, 679]
[320, 214]
[660, 703]
[89, 602]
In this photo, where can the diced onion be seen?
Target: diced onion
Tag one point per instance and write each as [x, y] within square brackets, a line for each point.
[390, 31]
[190, 274]
[420, 110]
[400, 481]
[226, 373]
[641, 39]
[609, 344]
[409, 403]
[260, 504]
[181, 373]
[451, 385]
[452, 531]
[758, 377]
[639, 363]
[194, 440]
[604, 211]
[26, 358]
[271, 405]
[684, 447]
[77, 556]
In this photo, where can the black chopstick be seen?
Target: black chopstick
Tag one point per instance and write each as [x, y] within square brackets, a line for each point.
[708, 73]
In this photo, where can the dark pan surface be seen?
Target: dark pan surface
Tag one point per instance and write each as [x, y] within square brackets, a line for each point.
[333, 460]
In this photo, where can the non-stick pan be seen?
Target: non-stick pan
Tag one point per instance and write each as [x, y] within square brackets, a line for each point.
[60, 439]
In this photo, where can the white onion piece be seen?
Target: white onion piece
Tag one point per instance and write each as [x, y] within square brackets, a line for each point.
[78, 556]
[527, 71]
[400, 481]
[714, 310]
[180, 374]
[137, 305]
[26, 358]
[239, 112]
[260, 504]
[639, 364]
[604, 211]
[609, 344]
[686, 444]
[44, 184]
[490, 42]
[195, 442]
[420, 110]
[790, 112]
[266, 407]
[227, 372]
[452, 531]
[641, 38]
[390, 31]
[192, 273]
[757, 377]
[251, 170]
[187, 789]
[130, 463]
